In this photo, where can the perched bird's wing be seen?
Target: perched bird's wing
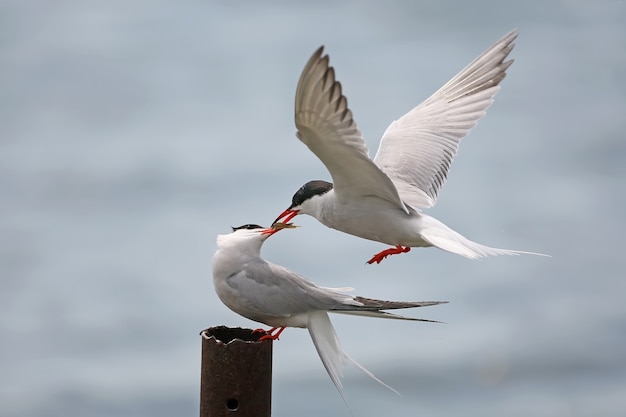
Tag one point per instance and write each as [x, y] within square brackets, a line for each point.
[271, 289]
[373, 308]
[374, 304]
[416, 150]
[326, 126]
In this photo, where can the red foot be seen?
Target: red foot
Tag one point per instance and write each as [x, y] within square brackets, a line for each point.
[391, 251]
[264, 331]
[270, 335]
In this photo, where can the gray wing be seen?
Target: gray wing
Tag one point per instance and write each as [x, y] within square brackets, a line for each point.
[371, 307]
[374, 304]
[265, 289]
[270, 289]
[416, 150]
[326, 126]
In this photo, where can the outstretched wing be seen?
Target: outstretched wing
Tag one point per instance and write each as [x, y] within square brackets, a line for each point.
[326, 126]
[416, 150]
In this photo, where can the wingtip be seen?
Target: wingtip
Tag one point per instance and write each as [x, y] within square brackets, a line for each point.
[511, 35]
[319, 52]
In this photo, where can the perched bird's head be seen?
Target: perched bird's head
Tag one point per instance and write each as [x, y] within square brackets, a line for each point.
[255, 229]
[250, 235]
[305, 200]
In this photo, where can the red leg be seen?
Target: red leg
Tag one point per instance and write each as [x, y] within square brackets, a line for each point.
[270, 336]
[391, 251]
[264, 331]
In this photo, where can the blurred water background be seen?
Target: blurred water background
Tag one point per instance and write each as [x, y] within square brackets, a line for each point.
[133, 132]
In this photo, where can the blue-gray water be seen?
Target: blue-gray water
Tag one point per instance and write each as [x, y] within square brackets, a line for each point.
[133, 132]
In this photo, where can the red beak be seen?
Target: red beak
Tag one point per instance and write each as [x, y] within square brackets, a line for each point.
[270, 231]
[287, 214]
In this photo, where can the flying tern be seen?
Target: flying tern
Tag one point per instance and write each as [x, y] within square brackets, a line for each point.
[271, 294]
[381, 199]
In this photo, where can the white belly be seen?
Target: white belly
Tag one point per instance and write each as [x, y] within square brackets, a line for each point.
[377, 220]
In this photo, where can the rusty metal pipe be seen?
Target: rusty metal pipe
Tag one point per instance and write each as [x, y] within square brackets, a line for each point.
[236, 373]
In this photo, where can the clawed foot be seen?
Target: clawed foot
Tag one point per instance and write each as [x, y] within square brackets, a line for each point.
[269, 334]
[391, 251]
[259, 330]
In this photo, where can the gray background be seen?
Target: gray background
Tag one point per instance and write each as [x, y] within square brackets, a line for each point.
[133, 132]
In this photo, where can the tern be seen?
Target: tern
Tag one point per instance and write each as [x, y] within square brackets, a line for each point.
[381, 199]
[271, 294]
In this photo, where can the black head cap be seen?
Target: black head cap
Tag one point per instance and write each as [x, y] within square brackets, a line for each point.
[310, 189]
[248, 227]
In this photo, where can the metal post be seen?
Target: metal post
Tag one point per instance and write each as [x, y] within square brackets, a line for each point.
[236, 374]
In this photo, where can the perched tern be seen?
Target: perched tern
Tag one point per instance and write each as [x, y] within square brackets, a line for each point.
[274, 295]
[380, 199]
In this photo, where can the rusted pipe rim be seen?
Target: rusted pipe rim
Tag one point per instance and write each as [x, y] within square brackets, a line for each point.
[226, 335]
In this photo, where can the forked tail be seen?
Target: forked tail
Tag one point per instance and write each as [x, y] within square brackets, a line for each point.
[330, 352]
[443, 237]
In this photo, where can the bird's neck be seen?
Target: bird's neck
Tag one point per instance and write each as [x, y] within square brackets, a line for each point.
[323, 207]
[231, 257]
[238, 248]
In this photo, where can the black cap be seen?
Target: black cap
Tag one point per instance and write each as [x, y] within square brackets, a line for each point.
[248, 227]
[309, 190]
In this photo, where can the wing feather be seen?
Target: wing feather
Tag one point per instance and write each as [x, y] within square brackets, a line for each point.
[416, 150]
[269, 289]
[325, 124]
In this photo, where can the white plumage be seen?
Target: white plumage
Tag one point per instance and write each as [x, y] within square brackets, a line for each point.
[273, 295]
[381, 199]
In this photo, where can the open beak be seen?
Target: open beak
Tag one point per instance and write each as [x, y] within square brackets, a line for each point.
[286, 216]
[277, 227]
[270, 231]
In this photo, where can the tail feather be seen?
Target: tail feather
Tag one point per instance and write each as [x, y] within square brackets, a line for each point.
[328, 347]
[443, 237]
[381, 315]
[330, 351]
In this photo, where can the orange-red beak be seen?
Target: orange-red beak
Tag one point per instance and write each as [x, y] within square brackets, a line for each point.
[276, 227]
[287, 214]
[270, 231]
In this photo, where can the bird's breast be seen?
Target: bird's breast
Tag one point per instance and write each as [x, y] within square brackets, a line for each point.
[377, 220]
